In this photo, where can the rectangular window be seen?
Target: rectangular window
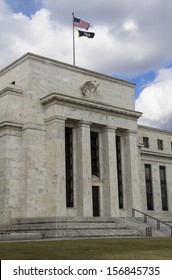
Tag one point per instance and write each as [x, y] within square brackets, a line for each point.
[160, 144]
[146, 142]
[163, 184]
[95, 154]
[69, 166]
[119, 171]
[149, 191]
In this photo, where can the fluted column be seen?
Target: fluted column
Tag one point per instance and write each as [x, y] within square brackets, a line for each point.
[131, 164]
[56, 182]
[83, 166]
[110, 183]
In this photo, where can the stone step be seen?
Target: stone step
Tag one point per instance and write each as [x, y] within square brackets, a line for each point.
[5, 236]
[68, 234]
[90, 232]
[39, 236]
[67, 228]
[66, 225]
[64, 220]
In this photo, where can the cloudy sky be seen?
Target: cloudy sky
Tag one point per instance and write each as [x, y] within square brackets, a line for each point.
[132, 41]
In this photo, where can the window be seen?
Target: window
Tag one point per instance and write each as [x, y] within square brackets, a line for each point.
[162, 172]
[160, 144]
[149, 191]
[171, 146]
[146, 142]
[95, 154]
[119, 171]
[69, 166]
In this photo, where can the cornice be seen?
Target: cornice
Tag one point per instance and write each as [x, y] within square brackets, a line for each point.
[11, 90]
[54, 98]
[155, 154]
[10, 128]
[10, 124]
[154, 129]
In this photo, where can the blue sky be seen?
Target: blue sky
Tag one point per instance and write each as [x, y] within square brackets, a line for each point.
[27, 7]
[131, 42]
[142, 81]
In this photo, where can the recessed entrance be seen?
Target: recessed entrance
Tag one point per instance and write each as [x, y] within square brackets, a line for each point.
[95, 200]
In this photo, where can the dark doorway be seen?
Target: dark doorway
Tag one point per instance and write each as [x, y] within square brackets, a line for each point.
[69, 166]
[95, 198]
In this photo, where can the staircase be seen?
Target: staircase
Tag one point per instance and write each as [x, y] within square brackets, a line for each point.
[139, 225]
[67, 228]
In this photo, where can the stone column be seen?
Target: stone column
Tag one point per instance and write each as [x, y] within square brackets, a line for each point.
[131, 173]
[56, 182]
[11, 188]
[83, 173]
[110, 182]
[33, 170]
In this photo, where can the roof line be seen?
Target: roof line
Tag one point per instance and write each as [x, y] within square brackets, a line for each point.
[43, 59]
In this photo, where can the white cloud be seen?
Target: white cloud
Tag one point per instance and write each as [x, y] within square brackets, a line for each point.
[39, 34]
[130, 25]
[130, 38]
[155, 101]
[140, 32]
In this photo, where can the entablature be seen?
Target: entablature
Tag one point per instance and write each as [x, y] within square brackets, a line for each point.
[155, 155]
[57, 98]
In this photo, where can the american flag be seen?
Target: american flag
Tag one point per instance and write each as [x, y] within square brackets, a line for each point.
[80, 23]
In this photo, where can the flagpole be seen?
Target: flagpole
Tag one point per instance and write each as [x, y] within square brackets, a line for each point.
[73, 41]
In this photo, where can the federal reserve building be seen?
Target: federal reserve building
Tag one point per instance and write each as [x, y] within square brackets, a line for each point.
[73, 160]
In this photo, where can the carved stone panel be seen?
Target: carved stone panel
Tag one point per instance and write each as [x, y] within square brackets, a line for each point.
[89, 88]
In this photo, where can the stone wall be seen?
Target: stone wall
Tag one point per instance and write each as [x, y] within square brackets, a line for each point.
[156, 158]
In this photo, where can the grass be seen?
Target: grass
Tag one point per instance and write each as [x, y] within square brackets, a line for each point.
[109, 249]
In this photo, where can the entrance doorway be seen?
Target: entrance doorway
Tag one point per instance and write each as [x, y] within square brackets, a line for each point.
[95, 200]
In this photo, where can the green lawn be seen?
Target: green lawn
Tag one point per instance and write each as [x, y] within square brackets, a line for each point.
[111, 249]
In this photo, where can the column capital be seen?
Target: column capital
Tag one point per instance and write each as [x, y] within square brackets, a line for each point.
[55, 118]
[109, 128]
[131, 132]
[83, 123]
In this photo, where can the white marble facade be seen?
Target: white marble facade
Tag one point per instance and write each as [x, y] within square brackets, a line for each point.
[39, 99]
